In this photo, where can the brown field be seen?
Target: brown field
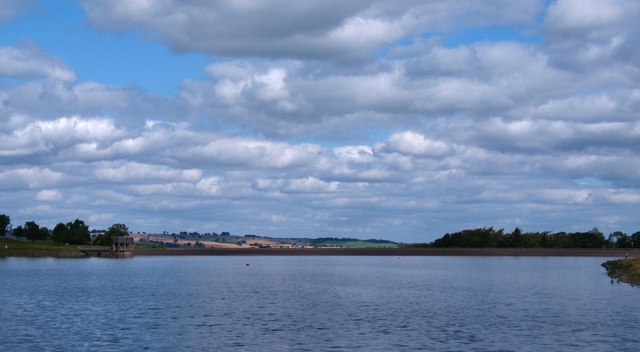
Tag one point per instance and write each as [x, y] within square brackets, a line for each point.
[212, 244]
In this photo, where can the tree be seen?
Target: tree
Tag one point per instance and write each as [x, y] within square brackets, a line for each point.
[113, 230]
[635, 240]
[619, 239]
[60, 233]
[78, 232]
[18, 231]
[5, 220]
[33, 232]
[118, 230]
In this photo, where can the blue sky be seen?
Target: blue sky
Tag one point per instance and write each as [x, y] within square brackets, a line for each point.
[362, 119]
[126, 59]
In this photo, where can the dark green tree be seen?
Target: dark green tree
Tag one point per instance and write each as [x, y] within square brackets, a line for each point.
[78, 232]
[118, 230]
[60, 233]
[18, 231]
[635, 240]
[590, 239]
[514, 239]
[33, 232]
[619, 239]
[113, 230]
[5, 221]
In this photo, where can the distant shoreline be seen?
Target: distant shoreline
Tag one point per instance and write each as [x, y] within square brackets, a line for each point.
[66, 252]
[506, 252]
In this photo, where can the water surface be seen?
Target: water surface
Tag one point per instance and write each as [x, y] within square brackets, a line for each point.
[315, 304]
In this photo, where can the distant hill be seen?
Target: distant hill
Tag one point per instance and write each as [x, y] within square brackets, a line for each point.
[226, 240]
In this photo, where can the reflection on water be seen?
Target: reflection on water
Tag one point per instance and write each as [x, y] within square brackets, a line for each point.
[315, 303]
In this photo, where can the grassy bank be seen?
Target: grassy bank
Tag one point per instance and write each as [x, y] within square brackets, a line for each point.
[15, 248]
[624, 270]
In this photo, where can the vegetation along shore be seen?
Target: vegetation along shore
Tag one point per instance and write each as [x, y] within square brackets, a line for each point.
[74, 240]
[624, 270]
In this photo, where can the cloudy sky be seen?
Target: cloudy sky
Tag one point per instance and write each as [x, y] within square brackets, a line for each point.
[400, 120]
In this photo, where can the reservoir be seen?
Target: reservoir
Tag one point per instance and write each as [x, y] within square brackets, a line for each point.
[315, 303]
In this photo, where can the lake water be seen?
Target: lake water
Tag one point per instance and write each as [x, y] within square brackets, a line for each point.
[315, 304]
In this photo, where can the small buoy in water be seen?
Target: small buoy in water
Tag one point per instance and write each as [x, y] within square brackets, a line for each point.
[247, 264]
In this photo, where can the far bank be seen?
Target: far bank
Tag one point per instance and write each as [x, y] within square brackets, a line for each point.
[514, 252]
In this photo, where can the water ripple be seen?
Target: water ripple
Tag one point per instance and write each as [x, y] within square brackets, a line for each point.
[315, 304]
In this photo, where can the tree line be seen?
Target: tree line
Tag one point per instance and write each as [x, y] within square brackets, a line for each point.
[322, 240]
[77, 232]
[73, 232]
[491, 238]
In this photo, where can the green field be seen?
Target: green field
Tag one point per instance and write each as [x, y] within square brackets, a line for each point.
[11, 248]
[355, 244]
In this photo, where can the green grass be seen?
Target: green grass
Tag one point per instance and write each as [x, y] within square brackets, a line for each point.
[356, 244]
[148, 245]
[15, 248]
[624, 270]
[145, 247]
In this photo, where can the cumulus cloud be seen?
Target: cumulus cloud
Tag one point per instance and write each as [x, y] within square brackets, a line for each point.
[48, 195]
[33, 177]
[36, 85]
[334, 30]
[286, 99]
[408, 173]
[30, 61]
[586, 17]
[133, 171]
[347, 118]
[209, 185]
[309, 184]
[51, 136]
[258, 153]
[413, 143]
[587, 34]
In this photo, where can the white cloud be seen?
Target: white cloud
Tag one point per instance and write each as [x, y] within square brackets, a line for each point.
[33, 177]
[309, 184]
[414, 143]
[49, 136]
[587, 108]
[260, 153]
[338, 118]
[623, 197]
[580, 16]
[49, 195]
[339, 30]
[25, 62]
[361, 154]
[209, 185]
[586, 35]
[136, 172]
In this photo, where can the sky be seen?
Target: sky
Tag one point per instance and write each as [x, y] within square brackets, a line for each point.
[400, 120]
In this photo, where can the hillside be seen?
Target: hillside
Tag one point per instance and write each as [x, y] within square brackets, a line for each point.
[196, 240]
